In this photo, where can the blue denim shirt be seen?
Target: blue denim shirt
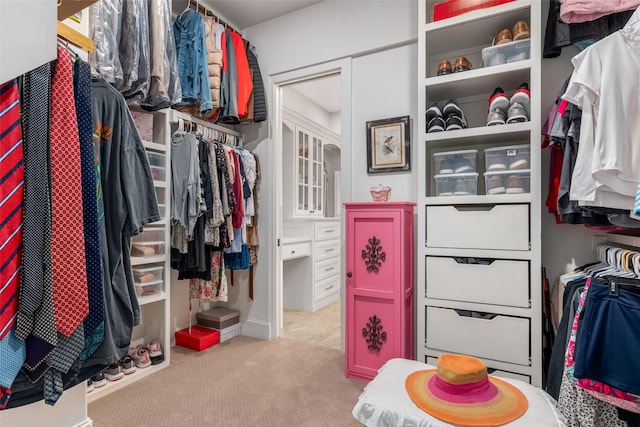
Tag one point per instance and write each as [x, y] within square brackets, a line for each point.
[188, 31]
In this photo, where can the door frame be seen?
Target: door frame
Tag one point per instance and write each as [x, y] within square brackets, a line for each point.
[278, 81]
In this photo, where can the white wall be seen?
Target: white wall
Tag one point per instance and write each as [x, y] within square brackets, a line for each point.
[321, 33]
[302, 105]
[383, 86]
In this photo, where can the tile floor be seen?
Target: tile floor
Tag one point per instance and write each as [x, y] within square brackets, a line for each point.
[321, 327]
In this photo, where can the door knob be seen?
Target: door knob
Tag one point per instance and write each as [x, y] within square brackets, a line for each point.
[349, 274]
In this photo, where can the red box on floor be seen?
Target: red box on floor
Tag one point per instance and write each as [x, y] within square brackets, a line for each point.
[199, 339]
[451, 8]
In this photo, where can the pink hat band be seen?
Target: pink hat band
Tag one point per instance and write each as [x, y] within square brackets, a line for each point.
[480, 391]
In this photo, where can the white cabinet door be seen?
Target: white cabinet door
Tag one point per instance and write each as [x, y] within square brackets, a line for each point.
[309, 173]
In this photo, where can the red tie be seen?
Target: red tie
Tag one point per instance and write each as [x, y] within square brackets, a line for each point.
[11, 197]
[67, 249]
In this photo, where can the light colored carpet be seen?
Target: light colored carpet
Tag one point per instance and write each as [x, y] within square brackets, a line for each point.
[241, 382]
[321, 327]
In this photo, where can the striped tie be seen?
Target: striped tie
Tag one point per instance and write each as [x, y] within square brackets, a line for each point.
[11, 197]
[12, 349]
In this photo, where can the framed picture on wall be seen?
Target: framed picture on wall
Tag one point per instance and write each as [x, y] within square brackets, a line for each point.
[389, 145]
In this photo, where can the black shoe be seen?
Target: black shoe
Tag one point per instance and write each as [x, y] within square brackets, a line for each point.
[435, 121]
[454, 116]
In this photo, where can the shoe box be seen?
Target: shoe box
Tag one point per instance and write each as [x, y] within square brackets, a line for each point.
[455, 172]
[507, 52]
[218, 317]
[197, 338]
[451, 8]
[506, 171]
[148, 280]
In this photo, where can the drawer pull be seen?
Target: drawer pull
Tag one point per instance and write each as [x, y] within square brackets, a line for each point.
[293, 252]
[474, 208]
[329, 250]
[329, 287]
[475, 314]
[329, 231]
[474, 261]
[329, 269]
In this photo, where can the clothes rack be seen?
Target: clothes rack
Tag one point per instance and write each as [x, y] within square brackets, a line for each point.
[72, 36]
[207, 12]
[198, 126]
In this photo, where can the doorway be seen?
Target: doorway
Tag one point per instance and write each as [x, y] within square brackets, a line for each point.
[311, 129]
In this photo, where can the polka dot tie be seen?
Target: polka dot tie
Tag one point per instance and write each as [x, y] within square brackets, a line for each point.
[68, 251]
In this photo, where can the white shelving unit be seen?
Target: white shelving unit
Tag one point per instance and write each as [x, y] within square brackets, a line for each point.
[155, 307]
[481, 245]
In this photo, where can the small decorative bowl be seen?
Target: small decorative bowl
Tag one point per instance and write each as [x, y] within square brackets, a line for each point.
[380, 193]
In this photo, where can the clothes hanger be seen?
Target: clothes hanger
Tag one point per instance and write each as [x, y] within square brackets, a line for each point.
[186, 8]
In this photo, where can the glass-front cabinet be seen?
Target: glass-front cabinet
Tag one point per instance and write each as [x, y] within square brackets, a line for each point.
[309, 173]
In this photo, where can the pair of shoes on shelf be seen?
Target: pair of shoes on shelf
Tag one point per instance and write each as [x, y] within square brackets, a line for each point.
[461, 64]
[520, 31]
[503, 162]
[456, 164]
[97, 381]
[495, 185]
[451, 117]
[146, 355]
[503, 110]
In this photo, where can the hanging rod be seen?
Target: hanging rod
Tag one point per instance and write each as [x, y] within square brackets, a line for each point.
[74, 37]
[200, 7]
[175, 115]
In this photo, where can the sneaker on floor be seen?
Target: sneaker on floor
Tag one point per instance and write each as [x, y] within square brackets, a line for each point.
[113, 372]
[498, 99]
[140, 356]
[90, 387]
[517, 113]
[127, 364]
[155, 352]
[98, 380]
[497, 116]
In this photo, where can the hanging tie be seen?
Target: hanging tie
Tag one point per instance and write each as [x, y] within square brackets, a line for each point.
[94, 323]
[36, 319]
[12, 350]
[68, 252]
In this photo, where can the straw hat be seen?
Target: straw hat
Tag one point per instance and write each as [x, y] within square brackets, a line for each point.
[460, 392]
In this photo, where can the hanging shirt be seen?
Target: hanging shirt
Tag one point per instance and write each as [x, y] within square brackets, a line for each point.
[185, 181]
[129, 199]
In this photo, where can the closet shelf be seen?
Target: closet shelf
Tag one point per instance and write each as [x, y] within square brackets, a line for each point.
[477, 253]
[480, 81]
[113, 386]
[496, 135]
[149, 299]
[160, 184]
[482, 23]
[625, 237]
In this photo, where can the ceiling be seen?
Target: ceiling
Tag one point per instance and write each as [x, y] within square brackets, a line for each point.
[246, 13]
[324, 91]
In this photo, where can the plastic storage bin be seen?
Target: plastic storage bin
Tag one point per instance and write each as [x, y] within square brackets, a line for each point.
[158, 173]
[147, 275]
[507, 52]
[148, 243]
[507, 182]
[156, 159]
[149, 288]
[513, 157]
[162, 208]
[457, 184]
[144, 124]
[448, 162]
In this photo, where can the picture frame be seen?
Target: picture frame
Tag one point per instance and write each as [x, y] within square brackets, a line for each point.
[389, 145]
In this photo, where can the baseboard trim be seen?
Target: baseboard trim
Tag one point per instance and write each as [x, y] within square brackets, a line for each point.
[256, 329]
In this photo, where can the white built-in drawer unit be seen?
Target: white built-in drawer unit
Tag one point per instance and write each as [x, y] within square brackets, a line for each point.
[296, 250]
[326, 287]
[492, 226]
[325, 230]
[480, 280]
[495, 372]
[501, 338]
[326, 249]
[326, 268]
